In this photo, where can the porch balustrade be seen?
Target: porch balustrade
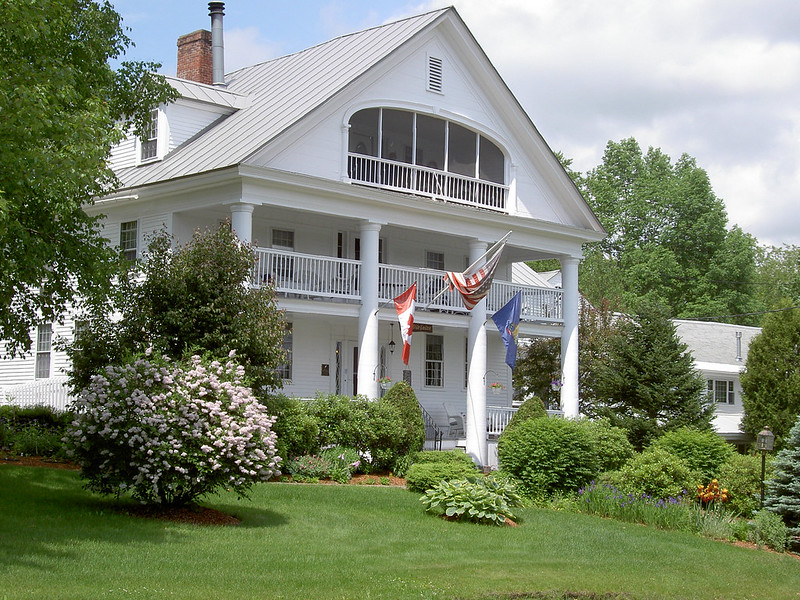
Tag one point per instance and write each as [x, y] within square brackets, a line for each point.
[425, 181]
[497, 418]
[311, 276]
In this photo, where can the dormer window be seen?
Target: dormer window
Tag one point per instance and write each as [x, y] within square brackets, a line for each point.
[149, 141]
[426, 155]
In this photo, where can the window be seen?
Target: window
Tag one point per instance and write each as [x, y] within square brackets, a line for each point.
[285, 370]
[721, 391]
[44, 339]
[434, 361]
[406, 137]
[434, 260]
[129, 239]
[149, 141]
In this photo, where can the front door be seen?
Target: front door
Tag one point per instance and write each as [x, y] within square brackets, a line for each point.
[347, 368]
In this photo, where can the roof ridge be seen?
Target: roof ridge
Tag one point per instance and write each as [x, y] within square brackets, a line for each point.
[340, 37]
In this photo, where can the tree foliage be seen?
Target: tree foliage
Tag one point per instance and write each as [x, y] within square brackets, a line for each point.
[779, 276]
[648, 384]
[63, 108]
[541, 359]
[771, 379]
[782, 495]
[193, 297]
[668, 241]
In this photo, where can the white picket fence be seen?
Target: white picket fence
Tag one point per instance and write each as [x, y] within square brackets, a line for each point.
[52, 392]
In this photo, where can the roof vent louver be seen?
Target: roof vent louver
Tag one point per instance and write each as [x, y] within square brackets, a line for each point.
[434, 74]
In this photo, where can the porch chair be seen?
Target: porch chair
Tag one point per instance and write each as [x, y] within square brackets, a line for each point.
[455, 423]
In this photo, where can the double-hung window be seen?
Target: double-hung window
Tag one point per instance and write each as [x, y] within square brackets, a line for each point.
[434, 360]
[149, 141]
[44, 344]
[129, 239]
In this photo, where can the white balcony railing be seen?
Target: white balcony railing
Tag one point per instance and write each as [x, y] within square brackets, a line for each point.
[311, 276]
[403, 177]
[497, 418]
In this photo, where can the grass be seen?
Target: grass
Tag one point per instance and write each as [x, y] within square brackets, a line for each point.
[326, 542]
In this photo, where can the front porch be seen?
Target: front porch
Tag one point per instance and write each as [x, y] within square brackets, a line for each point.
[309, 276]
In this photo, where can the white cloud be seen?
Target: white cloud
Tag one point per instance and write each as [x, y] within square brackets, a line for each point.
[246, 46]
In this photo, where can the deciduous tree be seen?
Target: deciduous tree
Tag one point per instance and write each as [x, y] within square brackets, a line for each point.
[62, 108]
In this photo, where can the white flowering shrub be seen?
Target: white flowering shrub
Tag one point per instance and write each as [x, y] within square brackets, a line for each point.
[169, 433]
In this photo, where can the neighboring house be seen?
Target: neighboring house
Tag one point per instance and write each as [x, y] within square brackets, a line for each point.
[720, 354]
[357, 167]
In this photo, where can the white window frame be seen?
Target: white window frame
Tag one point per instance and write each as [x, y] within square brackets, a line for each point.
[129, 245]
[434, 367]
[721, 388]
[44, 347]
[149, 145]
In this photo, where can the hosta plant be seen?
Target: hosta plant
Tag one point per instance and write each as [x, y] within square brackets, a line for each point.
[478, 499]
[169, 433]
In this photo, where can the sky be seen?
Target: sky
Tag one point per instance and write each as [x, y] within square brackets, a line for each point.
[718, 80]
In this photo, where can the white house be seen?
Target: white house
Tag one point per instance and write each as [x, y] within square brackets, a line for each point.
[720, 354]
[357, 167]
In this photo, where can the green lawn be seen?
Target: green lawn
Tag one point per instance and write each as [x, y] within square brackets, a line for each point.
[320, 541]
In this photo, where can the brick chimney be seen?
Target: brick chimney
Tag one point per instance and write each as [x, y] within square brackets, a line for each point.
[195, 57]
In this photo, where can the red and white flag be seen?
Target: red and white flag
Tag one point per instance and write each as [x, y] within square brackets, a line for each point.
[474, 283]
[405, 304]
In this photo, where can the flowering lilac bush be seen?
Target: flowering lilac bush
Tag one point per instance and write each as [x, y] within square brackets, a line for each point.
[169, 433]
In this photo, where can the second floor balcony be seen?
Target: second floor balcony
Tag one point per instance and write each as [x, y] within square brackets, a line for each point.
[426, 181]
[335, 279]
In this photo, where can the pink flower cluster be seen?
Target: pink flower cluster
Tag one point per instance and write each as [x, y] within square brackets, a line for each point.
[171, 432]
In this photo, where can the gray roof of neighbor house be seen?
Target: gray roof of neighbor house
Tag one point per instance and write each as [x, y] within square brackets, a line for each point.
[281, 92]
[712, 342]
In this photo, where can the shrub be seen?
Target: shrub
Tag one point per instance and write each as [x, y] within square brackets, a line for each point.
[424, 476]
[412, 426]
[702, 451]
[655, 472]
[610, 443]
[33, 430]
[342, 420]
[548, 456]
[297, 430]
[767, 528]
[476, 499]
[444, 456]
[741, 475]
[532, 408]
[171, 433]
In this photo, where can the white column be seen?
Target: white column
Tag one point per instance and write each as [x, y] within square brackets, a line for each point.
[242, 221]
[368, 315]
[477, 445]
[569, 338]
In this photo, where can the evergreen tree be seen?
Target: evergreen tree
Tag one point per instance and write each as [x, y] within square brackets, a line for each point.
[782, 494]
[648, 384]
[771, 379]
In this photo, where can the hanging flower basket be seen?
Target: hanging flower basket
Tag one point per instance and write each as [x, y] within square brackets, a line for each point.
[496, 387]
[385, 383]
[555, 384]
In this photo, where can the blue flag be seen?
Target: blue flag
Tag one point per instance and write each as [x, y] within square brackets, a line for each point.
[507, 321]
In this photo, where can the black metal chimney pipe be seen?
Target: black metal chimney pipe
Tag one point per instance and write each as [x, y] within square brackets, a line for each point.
[216, 12]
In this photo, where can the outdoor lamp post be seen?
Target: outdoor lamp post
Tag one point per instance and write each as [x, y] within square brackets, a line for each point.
[764, 442]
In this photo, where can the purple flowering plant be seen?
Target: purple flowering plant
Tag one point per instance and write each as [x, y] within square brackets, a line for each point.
[171, 432]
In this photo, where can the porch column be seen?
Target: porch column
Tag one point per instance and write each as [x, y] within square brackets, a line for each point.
[475, 427]
[242, 221]
[368, 316]
[569, 338]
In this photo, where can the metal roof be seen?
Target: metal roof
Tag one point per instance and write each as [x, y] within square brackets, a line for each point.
[280, 92]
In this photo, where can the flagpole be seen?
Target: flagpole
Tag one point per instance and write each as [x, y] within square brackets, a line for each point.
[469, 268]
